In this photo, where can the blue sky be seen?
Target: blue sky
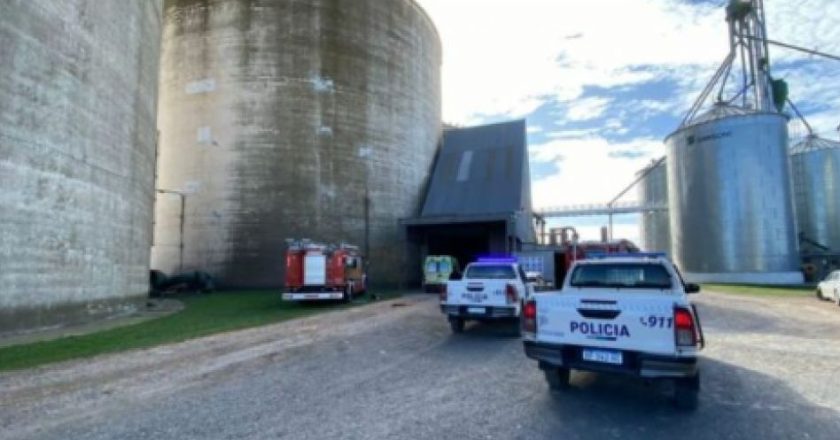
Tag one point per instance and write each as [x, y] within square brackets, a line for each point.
[601, 83]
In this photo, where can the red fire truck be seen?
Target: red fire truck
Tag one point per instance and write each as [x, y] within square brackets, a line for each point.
[320, 272]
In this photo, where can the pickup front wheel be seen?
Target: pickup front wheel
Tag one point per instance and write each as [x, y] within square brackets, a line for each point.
[558, 378]
[457, 325]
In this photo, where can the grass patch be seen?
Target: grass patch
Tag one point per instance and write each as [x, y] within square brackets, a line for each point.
[758, 290]
[203, 315]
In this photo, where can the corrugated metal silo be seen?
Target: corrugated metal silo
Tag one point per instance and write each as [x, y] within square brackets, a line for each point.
[278, 117]
[730, 198]
[815, 164]
[77, 157]
[655, 224]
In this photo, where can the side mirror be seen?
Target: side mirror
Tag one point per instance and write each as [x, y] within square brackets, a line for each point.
[692, 288]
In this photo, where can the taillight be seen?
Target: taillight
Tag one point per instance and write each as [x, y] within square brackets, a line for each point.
[529, 317]
[443, 293]
[511, 294]
[684, 328]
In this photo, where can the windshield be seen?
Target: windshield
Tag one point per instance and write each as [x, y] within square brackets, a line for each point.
[492, 272]
[431, 266]
[444, 266]
[622, 275]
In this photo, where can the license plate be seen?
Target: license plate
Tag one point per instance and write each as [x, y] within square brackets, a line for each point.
[603, 356]
[476, 310]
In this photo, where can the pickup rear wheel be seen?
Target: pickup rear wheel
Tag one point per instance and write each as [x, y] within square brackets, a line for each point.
[457, 325]
[558, 378]
[686, 393]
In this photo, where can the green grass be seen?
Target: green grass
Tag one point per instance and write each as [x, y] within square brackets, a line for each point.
[203, 315]
[757, 290]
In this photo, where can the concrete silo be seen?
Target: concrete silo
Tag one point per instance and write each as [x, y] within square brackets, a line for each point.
[653, 192]
[729, 187]
[77, 157]
[308, 119]
[815, 164]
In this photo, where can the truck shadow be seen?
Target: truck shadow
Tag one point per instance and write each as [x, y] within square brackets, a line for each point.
[492, 329]
[734, 403]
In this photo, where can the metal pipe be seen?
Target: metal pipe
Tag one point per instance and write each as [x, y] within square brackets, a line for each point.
[801, 118]
[797, 48]
[638, 179]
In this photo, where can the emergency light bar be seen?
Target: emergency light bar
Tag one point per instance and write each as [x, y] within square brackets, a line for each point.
[497, 260]
[602, 255]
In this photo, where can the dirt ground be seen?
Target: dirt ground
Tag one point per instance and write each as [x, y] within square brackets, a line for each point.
[393, 370]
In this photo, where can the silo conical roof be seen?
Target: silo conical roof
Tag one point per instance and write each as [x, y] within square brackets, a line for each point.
[813, 143]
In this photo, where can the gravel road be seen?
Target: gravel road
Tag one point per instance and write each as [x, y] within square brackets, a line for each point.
[393, 370]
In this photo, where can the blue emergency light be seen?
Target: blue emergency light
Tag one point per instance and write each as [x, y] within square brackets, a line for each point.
[497, 259]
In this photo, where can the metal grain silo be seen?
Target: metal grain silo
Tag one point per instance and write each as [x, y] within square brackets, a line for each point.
[730, 198]
[77, 157]
[655, 223]
[815, 165]
[308, 119]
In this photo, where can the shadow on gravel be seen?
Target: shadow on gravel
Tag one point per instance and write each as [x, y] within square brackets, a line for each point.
[734, 403]
[498, 329]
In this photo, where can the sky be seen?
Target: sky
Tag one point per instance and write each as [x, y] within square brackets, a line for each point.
[602, 83]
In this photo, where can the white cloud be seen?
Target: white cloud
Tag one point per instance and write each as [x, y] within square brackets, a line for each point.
[587, 108]
[508, 57]
[589, 171]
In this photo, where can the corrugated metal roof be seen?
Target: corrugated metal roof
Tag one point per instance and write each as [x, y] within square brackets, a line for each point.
[481, 170]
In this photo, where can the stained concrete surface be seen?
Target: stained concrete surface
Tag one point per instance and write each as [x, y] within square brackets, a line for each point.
[279, 118]
[150, 309]
[77, 157]
[770, 371]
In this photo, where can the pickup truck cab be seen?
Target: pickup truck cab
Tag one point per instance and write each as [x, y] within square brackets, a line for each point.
[491, 289]
[626, 315]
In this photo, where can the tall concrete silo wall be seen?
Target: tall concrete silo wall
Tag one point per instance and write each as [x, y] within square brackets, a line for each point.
[730, 201]
[277, 118]
[77, 157]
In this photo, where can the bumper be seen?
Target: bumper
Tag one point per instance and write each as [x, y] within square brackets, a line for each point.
[320, 296]
[634, 364]
[479, 312]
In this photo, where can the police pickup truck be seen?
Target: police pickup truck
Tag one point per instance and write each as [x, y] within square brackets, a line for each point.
[618, 314]
[491, 288]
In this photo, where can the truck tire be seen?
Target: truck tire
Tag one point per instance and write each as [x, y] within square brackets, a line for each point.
[457, 325]
[686, 393]
[348, 293]
[558, 378]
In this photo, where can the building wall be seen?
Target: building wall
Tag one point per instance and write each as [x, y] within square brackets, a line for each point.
[77, 154]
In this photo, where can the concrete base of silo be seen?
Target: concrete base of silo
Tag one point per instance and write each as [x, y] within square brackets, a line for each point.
[762, 278]
[15, 321]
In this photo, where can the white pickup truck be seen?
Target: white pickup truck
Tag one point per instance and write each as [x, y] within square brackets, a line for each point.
[490, 289]
[628, 315]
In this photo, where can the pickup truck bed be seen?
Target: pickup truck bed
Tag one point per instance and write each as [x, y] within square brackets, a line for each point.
[488, 291]
[617, 315]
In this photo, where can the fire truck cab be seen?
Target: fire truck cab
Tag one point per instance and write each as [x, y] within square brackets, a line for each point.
[319, 272]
